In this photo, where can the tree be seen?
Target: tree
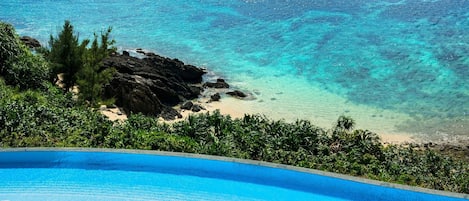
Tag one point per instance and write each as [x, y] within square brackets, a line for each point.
[66, 55]
[92, 77]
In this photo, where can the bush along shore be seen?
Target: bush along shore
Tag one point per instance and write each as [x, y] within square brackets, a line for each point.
[34, 112]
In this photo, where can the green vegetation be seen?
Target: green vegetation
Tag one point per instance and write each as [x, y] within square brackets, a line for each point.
[18, 65]
[92, 78]
[48, 117]
[66, 55]
[79, 64]
[53, 119]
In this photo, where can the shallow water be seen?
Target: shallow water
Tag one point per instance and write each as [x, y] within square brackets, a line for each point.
[396, 66]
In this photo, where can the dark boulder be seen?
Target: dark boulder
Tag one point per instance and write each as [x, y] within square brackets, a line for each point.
[151, 85]
[197, 108]
[132, 95]
[169, 113]
[215, 97]
[219, 84]
[237, 94]
[30, 42]
[188, 73]
[187, 105]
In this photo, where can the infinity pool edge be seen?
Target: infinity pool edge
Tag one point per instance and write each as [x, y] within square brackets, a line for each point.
[248, 162]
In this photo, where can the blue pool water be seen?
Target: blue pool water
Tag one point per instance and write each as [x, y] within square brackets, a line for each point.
[396, 66]
[97, 175]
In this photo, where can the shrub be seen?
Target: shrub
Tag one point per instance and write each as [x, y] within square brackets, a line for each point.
[10, 47]
[27, 72]
[18, 65]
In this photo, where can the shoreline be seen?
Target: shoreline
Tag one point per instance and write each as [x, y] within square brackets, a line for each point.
[289, 98]
[229, 106]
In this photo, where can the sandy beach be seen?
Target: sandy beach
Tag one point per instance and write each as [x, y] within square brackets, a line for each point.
[237, 108]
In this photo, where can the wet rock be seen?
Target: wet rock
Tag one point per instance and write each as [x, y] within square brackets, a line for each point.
[139, 50]
[215, 97]
[219, 84]
[237, 94]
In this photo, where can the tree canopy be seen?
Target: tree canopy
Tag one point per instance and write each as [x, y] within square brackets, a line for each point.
[79, 63]
[66, 55]
[91, 78]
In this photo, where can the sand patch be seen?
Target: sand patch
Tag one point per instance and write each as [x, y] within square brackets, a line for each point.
[113, 114]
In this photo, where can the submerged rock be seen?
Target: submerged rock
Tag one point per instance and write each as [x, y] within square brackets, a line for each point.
[237, 94]
[220, 84]
[151, 85]
[215, 97]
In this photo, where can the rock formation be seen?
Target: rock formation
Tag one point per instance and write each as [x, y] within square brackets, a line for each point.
[30, 42]
[215, 97]
[152, 85]
[220, 84]
[237, 94]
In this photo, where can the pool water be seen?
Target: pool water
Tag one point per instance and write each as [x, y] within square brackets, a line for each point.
[78, 184]
[395, 66]
[112, 175]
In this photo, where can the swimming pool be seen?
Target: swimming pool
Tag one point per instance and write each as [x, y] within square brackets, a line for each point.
[97, 174]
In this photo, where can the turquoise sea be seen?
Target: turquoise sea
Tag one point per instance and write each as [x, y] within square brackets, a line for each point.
[396, 66]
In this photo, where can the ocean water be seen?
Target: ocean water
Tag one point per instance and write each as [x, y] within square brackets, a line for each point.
[395, 66]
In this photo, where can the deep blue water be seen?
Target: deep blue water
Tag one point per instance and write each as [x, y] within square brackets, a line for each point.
[410, 57]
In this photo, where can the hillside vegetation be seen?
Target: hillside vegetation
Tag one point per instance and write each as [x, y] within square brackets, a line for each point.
[36, 113]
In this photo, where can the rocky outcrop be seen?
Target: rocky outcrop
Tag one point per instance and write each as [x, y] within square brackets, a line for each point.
[152, 85]
[30, 42]
[187, 105]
